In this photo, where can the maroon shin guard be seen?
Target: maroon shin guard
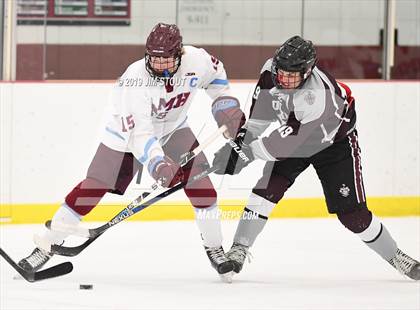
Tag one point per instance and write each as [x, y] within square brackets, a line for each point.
[86, 195]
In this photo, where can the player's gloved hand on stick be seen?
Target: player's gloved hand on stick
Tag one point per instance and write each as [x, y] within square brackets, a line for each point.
[165, 170]
[235, 154]
[226, 111]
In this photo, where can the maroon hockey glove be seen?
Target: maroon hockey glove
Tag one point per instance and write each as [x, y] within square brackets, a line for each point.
[165, 170]
[226, 111]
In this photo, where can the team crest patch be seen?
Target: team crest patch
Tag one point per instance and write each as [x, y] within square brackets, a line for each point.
[344, 190]
[309, 98]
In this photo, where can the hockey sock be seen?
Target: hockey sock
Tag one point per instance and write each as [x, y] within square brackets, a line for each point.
[63, 216]
[377, 237]
[372, 232]
[208, 222]
[201, 193]
[253, 220]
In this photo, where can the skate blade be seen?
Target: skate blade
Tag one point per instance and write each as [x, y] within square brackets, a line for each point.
[226, 277]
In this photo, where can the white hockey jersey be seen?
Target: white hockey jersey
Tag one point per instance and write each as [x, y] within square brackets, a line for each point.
[144, 111]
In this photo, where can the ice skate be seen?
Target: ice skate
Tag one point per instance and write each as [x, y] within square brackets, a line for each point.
[220, 262]
[35, 260]
[406, 265]
[237, 254]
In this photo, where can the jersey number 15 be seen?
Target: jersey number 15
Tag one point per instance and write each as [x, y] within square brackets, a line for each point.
[127, 123]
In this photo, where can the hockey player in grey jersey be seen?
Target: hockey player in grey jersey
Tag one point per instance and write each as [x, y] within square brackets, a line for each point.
[317, 127]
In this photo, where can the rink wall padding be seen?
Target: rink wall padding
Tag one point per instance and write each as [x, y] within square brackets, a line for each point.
[230, 210]
[50, 131]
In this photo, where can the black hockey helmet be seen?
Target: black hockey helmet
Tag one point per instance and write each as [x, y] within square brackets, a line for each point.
[295, 55]
[164, 40]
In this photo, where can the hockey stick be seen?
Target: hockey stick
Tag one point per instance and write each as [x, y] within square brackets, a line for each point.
[52, 272]
[90, 233]
[130, 210]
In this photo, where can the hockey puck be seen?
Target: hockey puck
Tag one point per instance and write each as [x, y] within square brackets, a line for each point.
[85, 286]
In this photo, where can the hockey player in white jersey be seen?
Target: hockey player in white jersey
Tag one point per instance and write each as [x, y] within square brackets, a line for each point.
[148, 126]
[317, 120]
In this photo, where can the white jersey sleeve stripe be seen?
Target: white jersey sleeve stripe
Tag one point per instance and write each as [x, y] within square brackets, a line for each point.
[331, 87]
[113, 132]
[147, 148]
[333, 95]
[219, 82]
[343, 91]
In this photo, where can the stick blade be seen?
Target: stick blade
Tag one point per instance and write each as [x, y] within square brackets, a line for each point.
[53, 272]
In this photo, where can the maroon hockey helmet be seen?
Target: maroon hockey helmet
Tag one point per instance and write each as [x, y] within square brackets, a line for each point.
[164, 41]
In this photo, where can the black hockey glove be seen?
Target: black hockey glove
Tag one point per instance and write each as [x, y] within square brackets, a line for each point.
[235, 154]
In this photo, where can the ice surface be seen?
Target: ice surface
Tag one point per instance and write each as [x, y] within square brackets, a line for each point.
[297, 264]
